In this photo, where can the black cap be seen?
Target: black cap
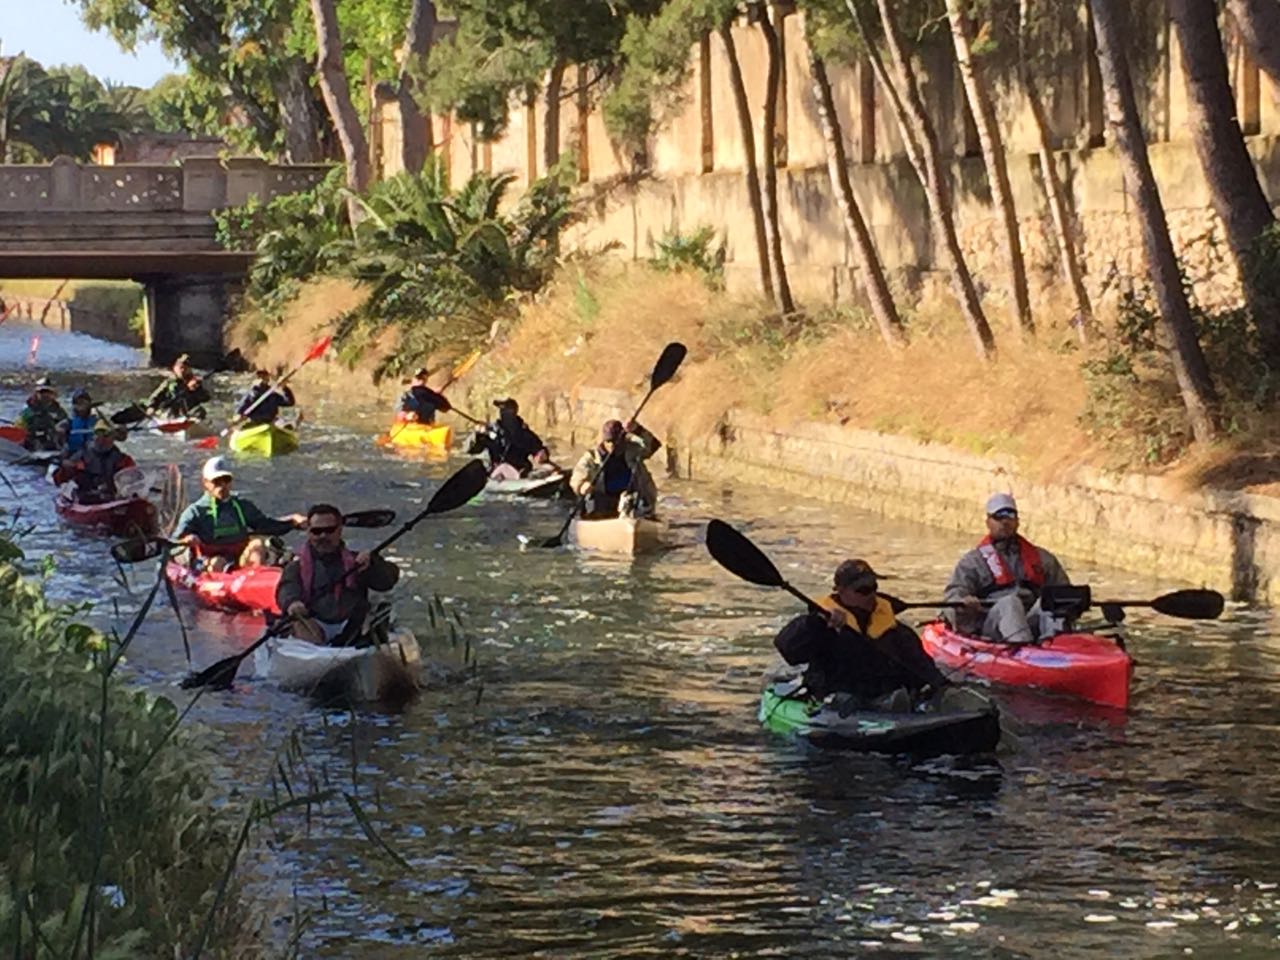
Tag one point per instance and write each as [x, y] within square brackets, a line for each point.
[855, 573]
[507, 403]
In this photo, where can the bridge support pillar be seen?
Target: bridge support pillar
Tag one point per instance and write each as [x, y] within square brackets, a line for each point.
[189, 316]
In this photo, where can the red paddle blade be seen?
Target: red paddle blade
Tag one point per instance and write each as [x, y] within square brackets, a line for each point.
[318, 349]
[207, 443]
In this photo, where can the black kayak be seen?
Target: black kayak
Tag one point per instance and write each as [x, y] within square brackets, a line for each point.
[967, 723]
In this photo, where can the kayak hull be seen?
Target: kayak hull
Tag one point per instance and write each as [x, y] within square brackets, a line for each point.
[627, 536]
[957, 730]
[14, 434]
[385, 673]
[1082, 665]
[128, 517]
[250, 589]
[264, 440]
[543, 487]
[432, 436]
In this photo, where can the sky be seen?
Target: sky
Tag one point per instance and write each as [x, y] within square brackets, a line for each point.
[50, 31]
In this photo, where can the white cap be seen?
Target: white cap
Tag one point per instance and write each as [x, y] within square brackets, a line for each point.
[214, 468]
[1000, 501]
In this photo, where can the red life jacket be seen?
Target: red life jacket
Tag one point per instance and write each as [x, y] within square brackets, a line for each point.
[1032, 567]
[307, 567]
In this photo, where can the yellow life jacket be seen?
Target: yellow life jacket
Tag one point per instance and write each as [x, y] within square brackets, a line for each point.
[882, 618]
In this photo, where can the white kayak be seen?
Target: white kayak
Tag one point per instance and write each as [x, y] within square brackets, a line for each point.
[623, 535]
[386, 672]
[541, 485]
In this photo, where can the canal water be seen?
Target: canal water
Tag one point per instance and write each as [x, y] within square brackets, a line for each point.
[600, 786]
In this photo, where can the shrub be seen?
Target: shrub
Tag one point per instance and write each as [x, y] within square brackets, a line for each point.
[696, 251]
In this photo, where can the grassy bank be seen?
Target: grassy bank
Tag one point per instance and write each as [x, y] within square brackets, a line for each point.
[114, 844]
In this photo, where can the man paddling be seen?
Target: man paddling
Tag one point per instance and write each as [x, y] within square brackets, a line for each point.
[857, 646]
[94, 467]
[326, 587]
[1006, 569]
[510, 443]
[41, 416]
[77, 430]
[181, 393]
[420, 403]
[218, 527]
[616, 468]
[262, 403]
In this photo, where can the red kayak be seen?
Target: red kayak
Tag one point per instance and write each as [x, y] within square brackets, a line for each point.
[1083, 665]
[128, 517]
[248, 588]
[14, 434]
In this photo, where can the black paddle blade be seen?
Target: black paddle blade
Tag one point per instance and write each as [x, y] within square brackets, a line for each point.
[136, 551]
[672, 356]
[369, 519]
[220, 676]
[459, 488]
[1190, 604]
[130, 414]
[733, 551]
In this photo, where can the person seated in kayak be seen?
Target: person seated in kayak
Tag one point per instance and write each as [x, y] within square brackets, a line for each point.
[326, 587]
[94, 467]
[510, 443]
[1006, 570]
[262, 403]
[41, 416]
[218, 527]
[76, 431]
[420, 403]
[615, 470]
[856, 646]
[181, 394]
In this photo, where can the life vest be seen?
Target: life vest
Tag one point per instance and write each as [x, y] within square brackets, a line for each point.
[307, 567]
[882, 617]
[230, 535]
[1032, 566]
[79, 432]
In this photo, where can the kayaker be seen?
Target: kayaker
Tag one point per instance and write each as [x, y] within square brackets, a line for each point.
[326, 587]
[77, 430]
[262, 403]
[622, 452]
[420, 403]
[1006, 570]
[94, 467]
[181, 394]
[217, 528]
[41, 416]
[512, 446]
[857, 646]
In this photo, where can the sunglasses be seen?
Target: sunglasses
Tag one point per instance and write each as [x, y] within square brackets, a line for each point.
[322, 531]
[1004, 515]
[864, 591]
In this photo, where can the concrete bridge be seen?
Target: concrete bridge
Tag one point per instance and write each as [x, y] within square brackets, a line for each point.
[149, 223]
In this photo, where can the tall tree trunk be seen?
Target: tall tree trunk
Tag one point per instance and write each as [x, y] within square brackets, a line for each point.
[337, 95]
[870, 269]
[551, 116]
[1063, 221]
[1233, 182]
[1192, 371]
[768, 138]
[415, 126]
[749, 159]
[297, 110]
[921, 144]
[1259, 23]
[993, 157]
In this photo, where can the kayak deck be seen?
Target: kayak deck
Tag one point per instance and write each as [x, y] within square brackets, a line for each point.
[407, 433]
[622, 535]
[264, 439]
[246, 588]
[1083, 665]
[385, 673]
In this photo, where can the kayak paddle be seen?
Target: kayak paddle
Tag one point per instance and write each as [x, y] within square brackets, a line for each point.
[1186, 604]
[146, 548]
[673, 355]
[453, 493]
[317, 350]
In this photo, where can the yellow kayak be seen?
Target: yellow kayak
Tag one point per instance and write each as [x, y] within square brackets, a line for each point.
[406, 433]
[264, 439]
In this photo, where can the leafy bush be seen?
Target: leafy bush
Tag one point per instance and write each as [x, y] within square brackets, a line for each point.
[697, 251]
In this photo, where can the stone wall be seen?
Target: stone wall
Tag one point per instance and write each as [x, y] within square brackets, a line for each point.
[695, 163]
[115, 326]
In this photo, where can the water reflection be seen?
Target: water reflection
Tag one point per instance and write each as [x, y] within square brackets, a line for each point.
[610, 794]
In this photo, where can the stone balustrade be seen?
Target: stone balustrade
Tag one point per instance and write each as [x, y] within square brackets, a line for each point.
[197, 184]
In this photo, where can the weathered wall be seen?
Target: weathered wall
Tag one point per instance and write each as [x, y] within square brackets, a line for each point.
[112, 325]
[1220, 539]
[695, 164]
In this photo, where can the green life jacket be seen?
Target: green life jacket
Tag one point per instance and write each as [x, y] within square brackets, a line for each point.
[236, 529]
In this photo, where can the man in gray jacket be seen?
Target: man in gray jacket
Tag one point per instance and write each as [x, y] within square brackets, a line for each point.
[1006, 570]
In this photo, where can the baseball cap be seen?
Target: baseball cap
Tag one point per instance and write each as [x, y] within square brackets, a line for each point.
[612, 430]
[102, 426]
[999, 503]
[214, 468]
[44, 383]
[855, 573]
[507, 402]
[80, 394]
[420, 373]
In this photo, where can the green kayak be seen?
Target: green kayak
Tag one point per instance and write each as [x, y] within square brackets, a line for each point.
[965, 723]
